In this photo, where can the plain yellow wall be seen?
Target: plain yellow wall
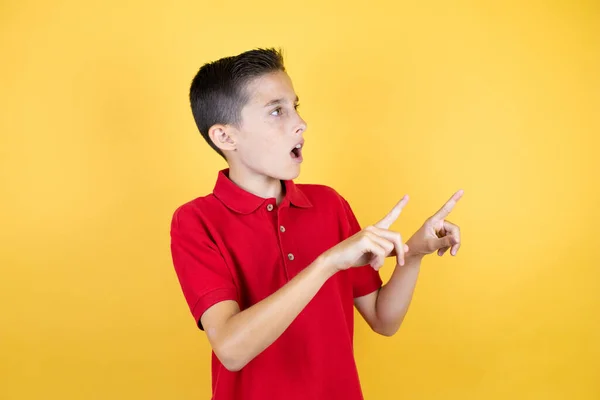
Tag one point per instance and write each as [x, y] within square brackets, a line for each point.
[98, 147]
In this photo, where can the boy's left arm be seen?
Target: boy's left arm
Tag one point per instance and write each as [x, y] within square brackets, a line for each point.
[384, 310]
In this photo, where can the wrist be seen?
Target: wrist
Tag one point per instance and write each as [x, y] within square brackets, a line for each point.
[324, 266]
[413, 258]
[413, 253]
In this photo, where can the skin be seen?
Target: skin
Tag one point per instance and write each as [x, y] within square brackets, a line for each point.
[258, 151]
[258, 154]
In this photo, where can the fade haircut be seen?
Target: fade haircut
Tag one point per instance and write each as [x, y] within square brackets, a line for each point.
[218, 91]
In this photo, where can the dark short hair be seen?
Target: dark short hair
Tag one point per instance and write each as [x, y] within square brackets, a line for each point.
[218, 91]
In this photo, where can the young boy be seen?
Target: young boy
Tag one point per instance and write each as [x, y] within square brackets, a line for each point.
[270, 269]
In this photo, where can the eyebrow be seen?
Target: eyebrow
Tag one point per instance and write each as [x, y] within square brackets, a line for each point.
[279, 101]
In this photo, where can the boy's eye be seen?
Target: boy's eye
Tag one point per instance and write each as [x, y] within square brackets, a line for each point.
[278, 111]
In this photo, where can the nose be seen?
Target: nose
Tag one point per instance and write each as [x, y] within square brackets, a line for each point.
[301, 128]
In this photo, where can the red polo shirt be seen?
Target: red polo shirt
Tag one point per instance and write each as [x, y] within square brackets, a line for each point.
[233, 245]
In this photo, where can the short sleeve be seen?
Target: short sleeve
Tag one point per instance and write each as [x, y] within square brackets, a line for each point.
[365, 279]
[201, 270]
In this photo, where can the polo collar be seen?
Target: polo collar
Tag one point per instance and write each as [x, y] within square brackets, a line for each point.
[241, 201]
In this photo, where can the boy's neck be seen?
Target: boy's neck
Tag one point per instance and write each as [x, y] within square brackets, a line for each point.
[257, 184]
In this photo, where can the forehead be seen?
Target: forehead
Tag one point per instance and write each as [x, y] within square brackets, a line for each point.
[273, 86]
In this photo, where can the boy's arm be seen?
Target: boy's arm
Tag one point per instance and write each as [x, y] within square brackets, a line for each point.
[237, 336]
[385, 309]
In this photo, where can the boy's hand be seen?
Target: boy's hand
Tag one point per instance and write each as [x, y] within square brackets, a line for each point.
[437, 234]
[369, 246]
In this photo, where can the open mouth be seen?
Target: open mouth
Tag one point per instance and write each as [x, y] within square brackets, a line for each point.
[296, 152]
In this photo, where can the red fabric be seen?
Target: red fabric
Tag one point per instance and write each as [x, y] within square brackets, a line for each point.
[229, 245]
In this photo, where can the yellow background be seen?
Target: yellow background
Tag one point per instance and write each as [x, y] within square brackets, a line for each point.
[98, 147]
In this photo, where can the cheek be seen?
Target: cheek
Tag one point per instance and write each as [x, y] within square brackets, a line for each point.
[262, 140]
[267, 137]
[259, 147]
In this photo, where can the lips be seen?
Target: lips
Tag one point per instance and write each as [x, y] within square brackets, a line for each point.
[296, 152]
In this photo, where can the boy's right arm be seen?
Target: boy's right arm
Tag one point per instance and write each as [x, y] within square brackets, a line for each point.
[237, 337]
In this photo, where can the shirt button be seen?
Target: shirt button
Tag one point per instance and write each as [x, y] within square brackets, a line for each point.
[270, 207]
[291, 257]
[282, 228]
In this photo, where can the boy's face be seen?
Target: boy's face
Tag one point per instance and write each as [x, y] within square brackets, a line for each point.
[271, 129]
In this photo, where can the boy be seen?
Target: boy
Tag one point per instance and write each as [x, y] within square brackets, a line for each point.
[270, 269]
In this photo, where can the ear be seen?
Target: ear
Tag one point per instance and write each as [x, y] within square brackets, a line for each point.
[223, 136]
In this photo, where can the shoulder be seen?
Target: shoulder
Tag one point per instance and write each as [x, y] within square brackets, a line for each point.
[328, 201]
[326, 198]
[321, 194]
[194, 211]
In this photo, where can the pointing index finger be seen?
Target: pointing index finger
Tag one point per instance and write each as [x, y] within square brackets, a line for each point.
[392, 216]
[447, 208]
